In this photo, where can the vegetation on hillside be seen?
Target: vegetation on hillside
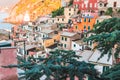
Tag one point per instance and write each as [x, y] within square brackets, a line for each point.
[58, 12]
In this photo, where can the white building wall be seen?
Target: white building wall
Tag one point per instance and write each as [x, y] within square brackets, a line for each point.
[111, 3]
[76, 46]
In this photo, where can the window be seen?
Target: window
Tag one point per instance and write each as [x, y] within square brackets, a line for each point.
[74, 45]
[65, 39]
[69, 13]
[90, 5]
[53, 21]
[62, 19]
[69, 9]
[74, 9]
[58, 19]
[84, 19]
[36, 28]
[115, 3]
[100, 4]
[76, 6]
[88, 27]
[62, 38]
[61, 44]
[82, 5]
[43, 36]
[90, 42]
[95, 5]
[86, 5]
[76, 27]
[55, 32]
[84, 27]
[97, 21]
[47, 21]
[64, 45]
[89, 20]
[54, 40]
[105, 5]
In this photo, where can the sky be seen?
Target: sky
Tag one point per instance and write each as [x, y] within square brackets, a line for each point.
[4, 4]
[8, 3]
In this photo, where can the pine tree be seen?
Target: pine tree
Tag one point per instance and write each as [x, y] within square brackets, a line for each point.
[58, 66]
[106, 34]
[113, 73]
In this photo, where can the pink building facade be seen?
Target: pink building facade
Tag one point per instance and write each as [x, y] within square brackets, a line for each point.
[7, 57]
[86, 5]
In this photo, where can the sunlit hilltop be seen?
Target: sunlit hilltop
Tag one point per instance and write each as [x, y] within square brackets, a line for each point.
[33, 9]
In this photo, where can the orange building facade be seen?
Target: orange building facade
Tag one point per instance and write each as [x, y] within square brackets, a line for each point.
[85, 24]
[49, 42]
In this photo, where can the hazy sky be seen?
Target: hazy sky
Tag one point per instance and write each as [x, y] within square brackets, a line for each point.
[8, 3]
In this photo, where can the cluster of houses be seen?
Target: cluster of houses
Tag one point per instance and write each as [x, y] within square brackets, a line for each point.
[65, 32]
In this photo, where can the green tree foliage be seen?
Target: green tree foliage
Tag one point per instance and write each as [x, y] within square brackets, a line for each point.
[70, 3]
[58, 12]
[59, 65]
[113, 73]
[106, 34]
[118, 11]
[109, 11]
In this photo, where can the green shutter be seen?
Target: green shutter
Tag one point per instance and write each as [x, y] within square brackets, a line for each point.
[97, 21]
[62, 38]
[76, 27]
[105, 68]
[65, 39]
[84, 27]
[84, 19]
[88, 27]
[74, 45]
[65, 45]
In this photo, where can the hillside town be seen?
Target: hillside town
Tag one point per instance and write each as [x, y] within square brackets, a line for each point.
[62, 29]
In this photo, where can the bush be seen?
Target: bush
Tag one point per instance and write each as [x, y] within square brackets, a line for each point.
[109, 11]
[58, 12]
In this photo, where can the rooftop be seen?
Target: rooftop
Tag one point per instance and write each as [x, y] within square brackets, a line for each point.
[46, 25]
[85, 55]
[46, 38]
[60, 16]
[5, 43]
[68, 34]
[28, 47]
[47, 31]
[88, 16]
[75, 16]
[104, 1]
[79, 41]
[69, 7]
[52, 46]
[103, 60]
[104, 17]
